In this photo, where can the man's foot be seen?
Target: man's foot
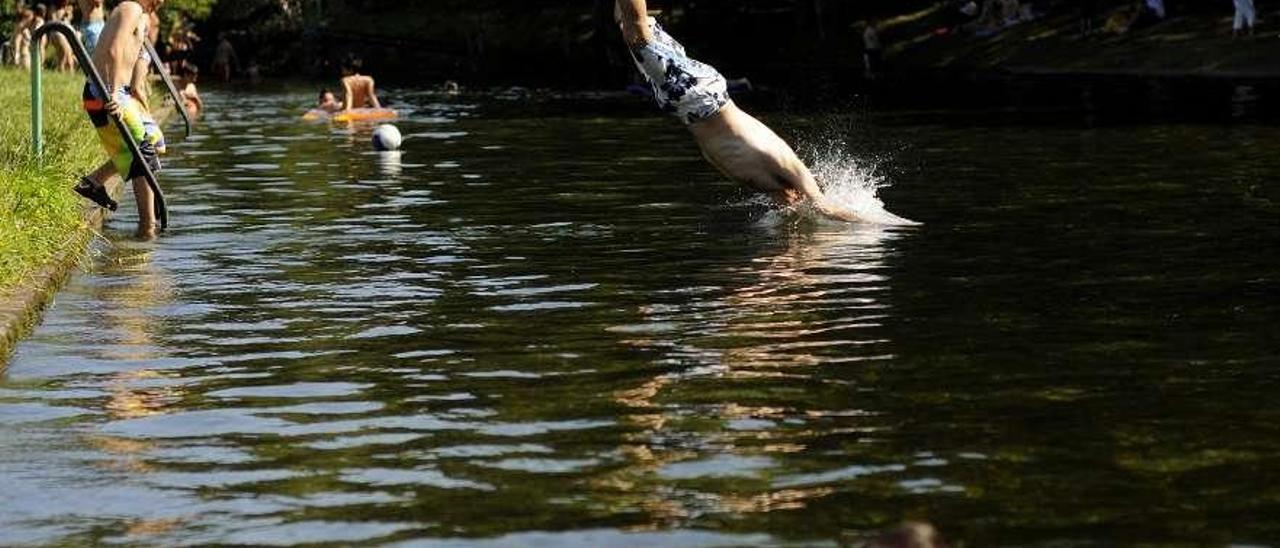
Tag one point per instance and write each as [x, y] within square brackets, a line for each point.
[95, 192]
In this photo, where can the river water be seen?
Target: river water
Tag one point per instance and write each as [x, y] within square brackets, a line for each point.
[547, 320]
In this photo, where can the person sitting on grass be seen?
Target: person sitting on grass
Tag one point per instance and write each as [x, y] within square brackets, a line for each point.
[22, 38]
[117, 60]
[34, 22]
[733, 141]
[358, 88]
[63, 13]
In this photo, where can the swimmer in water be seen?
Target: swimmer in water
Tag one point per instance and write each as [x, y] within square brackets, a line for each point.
[328, 102]
[358, 88]
[737, 144]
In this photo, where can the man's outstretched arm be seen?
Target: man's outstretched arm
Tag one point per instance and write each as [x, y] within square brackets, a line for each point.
[633, 16]
[823, 204]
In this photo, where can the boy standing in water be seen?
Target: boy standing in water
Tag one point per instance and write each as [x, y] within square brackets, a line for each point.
[737, 144]
[224, 58]
[358, 87]
[117, 60]
[190, 95]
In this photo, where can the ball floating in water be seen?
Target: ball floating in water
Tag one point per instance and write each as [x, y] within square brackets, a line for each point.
[386, 137]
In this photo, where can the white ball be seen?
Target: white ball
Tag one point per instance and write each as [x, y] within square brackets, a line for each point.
[386, 137]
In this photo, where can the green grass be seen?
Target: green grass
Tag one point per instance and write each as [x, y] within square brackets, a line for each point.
[39, 214]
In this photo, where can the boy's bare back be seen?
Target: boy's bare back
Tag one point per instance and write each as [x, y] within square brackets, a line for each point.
[120, 44]
[360, 92]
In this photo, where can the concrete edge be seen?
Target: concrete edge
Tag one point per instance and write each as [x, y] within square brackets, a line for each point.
[22, 310]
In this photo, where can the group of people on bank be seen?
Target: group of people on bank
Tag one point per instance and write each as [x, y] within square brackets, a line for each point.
[85, 16]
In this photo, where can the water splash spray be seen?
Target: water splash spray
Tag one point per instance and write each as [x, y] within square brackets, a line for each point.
[852, 183]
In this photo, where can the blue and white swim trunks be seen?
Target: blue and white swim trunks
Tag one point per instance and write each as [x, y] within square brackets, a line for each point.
[691, 90]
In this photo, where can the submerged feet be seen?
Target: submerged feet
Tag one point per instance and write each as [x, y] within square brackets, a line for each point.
[146, 232]
[95, 192]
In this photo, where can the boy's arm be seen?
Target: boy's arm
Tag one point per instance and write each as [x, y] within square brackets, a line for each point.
[346, 94]
[139, 84]
[633, 16]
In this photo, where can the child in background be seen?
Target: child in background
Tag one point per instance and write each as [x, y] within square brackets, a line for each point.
[190, 96]
[359, 88]
[328, 102]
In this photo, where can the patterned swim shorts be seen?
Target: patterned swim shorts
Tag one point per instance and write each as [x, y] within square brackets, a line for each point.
[139, 123]
[691, 90]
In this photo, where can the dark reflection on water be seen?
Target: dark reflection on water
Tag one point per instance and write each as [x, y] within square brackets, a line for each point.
[538, 327]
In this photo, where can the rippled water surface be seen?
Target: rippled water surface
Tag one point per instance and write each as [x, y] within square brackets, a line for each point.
[541, 324]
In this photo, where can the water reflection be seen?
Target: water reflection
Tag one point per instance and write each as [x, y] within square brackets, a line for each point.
[389, 163]
[809, 304]
[138, 290]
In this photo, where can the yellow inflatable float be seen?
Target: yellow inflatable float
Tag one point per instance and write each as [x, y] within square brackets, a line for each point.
[353, 115]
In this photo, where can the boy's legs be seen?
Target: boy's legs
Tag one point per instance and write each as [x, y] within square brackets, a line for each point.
[146, 200]
[121, 160]
[105, 171]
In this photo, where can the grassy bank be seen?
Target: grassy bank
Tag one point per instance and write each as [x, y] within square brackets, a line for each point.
[39, 214]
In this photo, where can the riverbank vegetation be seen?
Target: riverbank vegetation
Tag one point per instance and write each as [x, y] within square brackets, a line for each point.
[39, 214]
[574, 44]
[562, 43]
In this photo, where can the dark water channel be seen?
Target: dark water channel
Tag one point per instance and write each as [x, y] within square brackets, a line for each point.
[541, 324]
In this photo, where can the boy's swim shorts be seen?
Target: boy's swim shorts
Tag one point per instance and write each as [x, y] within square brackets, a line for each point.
[135, 119]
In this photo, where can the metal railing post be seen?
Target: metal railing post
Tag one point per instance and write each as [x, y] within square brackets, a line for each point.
[37, 102]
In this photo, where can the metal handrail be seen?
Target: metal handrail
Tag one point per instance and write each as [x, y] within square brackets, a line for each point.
[86, 64]
[168, 83]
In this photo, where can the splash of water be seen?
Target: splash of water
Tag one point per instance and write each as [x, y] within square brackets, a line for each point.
[852, 184]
